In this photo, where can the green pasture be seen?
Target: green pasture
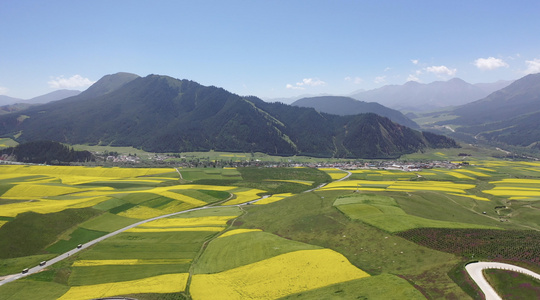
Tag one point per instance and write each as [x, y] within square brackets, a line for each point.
[452, 208]
[120, 150]
[195, 174]
[111, 203]
[114, 273]
[7, 142]
[261, 178]
[513, 285]
[452, 154]
[380, 287]
[243, 249]
[384, 213]
[208, 196]
[311, 218]
[16, 265]
[107, 222]
[79, 236]
[211, 212]
[30, 289]
[149, 245]
[30, 233]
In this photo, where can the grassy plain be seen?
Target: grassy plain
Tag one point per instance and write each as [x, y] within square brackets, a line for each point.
[368, 239]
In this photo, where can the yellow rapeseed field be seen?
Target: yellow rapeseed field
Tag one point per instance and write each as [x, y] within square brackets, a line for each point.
[459, 175]
[188, 222]
[470, 196]
[210, 223]
[244, 196]
[276, 277]
[515, 188]
[142, 212]
[513, 192]
[238, 231]
[274, 198]
[380, 185]
[47, 206]
[334, 173]
[176, 229]
[32, 191]
[169, 283]
[475, 173]
[84, 171]
[518, 181]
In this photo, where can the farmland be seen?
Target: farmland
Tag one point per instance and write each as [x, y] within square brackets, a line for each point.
[381, 234]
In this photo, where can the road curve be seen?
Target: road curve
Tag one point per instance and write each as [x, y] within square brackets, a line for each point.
[475, 271]
[349, 173]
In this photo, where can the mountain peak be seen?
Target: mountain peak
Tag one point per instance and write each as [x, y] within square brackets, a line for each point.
[108, 83]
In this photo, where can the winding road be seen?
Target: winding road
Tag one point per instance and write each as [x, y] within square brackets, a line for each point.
[475, 271]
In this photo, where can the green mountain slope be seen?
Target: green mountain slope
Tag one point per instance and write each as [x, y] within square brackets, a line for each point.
[163, 114]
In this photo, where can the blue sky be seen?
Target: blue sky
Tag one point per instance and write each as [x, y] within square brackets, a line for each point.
[268, 49]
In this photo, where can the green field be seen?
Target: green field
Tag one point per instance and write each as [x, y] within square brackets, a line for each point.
[243, 249]
[488, 208]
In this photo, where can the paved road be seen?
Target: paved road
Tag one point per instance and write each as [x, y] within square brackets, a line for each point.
[475, 271]
[346, 177]
[52, 261]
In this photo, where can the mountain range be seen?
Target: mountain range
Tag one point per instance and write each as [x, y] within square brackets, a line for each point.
[52, 96]
[344, 106]
[509, 116]
[415, 96]
[162, 114]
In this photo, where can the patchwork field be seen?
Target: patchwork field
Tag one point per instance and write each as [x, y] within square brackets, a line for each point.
[370, 236]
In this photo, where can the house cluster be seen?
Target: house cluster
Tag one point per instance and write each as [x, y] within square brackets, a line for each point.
[387, 165]
[123, 159]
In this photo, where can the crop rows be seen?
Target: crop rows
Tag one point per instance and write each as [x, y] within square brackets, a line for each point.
[513, 245]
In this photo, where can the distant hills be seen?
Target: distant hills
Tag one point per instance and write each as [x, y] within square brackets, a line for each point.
[415, 96]
[345, 106]
[10, 104]
[162, 114]
[52, 96]
[510, 115]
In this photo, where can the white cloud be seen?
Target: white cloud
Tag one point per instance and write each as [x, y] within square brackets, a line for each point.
[3, 90]
[293, 87]
[355, 80]
[306, 82]
[74, 81]
[415, 61]
[311, 82]
[412, 77]
[380, 79]
[490, 63]
[441, 70]
[533, 66]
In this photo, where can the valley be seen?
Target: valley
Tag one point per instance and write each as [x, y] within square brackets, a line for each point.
[362, 236]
